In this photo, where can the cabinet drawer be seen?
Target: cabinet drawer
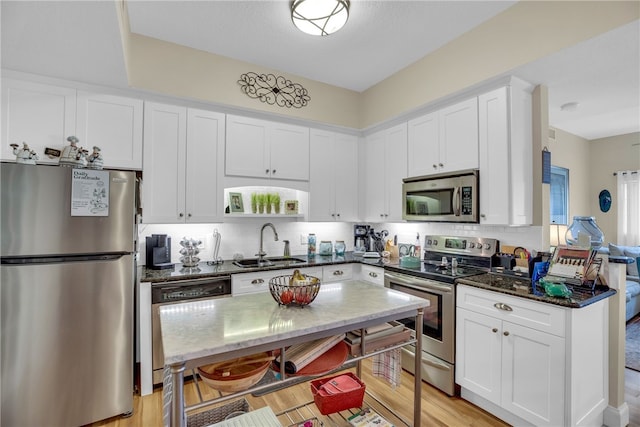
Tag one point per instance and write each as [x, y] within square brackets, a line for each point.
[372, 274]
[337, 273]
[250, 283]
[532, 314]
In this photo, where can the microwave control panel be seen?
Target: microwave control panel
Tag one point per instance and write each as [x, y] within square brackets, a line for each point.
[467, 201]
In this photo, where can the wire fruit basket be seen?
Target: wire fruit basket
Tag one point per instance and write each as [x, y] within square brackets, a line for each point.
[286, 291]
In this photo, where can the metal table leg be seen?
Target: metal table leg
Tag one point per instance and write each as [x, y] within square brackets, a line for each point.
[417, 399]
[178, 418]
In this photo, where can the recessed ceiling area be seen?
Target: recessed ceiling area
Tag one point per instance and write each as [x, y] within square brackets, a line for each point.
[80, 41]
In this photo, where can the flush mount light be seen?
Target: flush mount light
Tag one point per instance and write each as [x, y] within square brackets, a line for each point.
[319, 17]
[569, 106]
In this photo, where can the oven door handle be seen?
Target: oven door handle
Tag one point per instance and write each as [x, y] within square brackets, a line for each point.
[410, 282]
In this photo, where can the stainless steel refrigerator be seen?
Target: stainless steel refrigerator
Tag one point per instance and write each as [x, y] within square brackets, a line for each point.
[66, 294]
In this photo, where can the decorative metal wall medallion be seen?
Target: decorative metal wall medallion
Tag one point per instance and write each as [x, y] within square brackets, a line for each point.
[274, 90]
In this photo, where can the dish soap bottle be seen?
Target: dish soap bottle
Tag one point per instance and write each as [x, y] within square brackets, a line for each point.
[417, 250]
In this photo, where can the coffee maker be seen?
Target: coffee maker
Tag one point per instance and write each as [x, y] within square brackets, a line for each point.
[158, 251]
[361, 238]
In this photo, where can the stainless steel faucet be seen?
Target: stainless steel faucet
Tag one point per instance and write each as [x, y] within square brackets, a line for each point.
[261, 253]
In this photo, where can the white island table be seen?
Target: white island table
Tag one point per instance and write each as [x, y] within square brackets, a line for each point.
[202, 332]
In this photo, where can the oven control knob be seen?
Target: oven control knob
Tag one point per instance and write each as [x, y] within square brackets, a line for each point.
[428, 241]
[487, 245]
[472, 245]
[435, 242]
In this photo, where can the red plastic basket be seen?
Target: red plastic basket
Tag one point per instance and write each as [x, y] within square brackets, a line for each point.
[336, 400]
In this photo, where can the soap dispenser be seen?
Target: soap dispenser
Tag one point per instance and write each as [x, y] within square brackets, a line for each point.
[417, 250]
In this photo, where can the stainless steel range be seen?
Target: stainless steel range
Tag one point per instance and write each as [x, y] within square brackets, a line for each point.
[446, 259]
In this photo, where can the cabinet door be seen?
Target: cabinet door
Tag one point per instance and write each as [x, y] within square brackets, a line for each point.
[533, 375]
[345, 174]
[322, 189]
[114, 124]
[478, 354]
[165, 138]
[395, 170]
[289, 152]
[423, 145]
[205, 134]
[40, 115]
[459, 136]
[246, 148]
[374, 168]
[494, 158]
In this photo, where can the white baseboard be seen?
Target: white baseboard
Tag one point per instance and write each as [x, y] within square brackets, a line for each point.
[616, 417]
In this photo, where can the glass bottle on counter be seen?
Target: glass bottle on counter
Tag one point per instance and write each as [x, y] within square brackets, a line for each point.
[311, 245]
[340, 247]
[326, 248]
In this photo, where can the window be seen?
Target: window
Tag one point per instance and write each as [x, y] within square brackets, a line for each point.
[559, 195]
[628, 208]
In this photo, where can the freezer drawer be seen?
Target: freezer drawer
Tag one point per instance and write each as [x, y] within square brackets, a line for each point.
[67, 342]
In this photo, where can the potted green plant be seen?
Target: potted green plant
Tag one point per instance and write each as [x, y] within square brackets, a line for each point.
[275, 199]
[254, 202]
[267, 201]
[261, 202]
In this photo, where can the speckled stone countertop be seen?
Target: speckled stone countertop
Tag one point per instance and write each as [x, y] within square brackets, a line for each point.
[580, 297]
[204, 269]
[206, 331]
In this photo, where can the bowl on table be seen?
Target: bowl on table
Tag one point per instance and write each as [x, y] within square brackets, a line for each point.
[286, 290]
[237, 374]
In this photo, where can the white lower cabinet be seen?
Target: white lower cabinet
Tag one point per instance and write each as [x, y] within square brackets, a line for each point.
[372, 274]
[524, 361]
[337, 273]
[251, 283]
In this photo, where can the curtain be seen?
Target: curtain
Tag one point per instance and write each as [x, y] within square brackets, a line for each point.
[628, 208]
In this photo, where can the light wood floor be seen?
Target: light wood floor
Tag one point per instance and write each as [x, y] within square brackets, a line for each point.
[438, 409]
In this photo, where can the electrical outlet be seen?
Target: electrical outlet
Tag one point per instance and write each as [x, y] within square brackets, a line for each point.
[303, 239]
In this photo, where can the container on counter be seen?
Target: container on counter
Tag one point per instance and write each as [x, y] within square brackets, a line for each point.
[311, 245]
[326, 248]
[340, 247]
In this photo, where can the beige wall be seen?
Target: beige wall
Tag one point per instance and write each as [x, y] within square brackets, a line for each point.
[572, 152]
[608, 155]
[523, 33]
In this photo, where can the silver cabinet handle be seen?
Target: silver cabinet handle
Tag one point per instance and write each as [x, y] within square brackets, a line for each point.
[189, 215]
[180, 214]
[257, 281]
[435, 166]
[273, 171]
[505, 333]
[502, 306]
[338, 273]
[338, 215]
[483, 216]
[441, 165]
[494, 330]
[373, 274]
[266, 171]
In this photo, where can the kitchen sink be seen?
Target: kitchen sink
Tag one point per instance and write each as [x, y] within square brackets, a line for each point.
[268, 262]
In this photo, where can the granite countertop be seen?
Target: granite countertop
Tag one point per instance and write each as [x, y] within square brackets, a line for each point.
[206, 331]
[204, 269]
[581, 296]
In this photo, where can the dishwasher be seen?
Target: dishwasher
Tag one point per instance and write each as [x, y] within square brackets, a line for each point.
[174, 292]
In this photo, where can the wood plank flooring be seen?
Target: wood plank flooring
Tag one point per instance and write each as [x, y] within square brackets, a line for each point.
[438, 409]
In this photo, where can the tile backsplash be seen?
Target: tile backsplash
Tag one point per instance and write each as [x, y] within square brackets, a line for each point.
[242, 236]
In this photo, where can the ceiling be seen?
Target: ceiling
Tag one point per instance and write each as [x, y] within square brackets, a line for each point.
[80, 40]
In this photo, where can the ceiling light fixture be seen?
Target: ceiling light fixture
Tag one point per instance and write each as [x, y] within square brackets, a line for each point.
[319, 17]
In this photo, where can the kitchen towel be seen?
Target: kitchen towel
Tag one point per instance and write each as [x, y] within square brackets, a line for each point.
[387, 365]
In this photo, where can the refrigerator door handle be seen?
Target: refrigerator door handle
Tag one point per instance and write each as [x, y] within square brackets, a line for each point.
[61, 258]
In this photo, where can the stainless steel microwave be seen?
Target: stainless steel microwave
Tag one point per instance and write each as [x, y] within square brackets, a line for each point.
[451, 197]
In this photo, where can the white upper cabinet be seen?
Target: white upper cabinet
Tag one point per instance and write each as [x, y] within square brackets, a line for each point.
[445, 140]
[44, 116]
[333, 180]
[182, 164]
[505, 156]
[40, 115]
[264, 149]
[113, 123]
[385, 166]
